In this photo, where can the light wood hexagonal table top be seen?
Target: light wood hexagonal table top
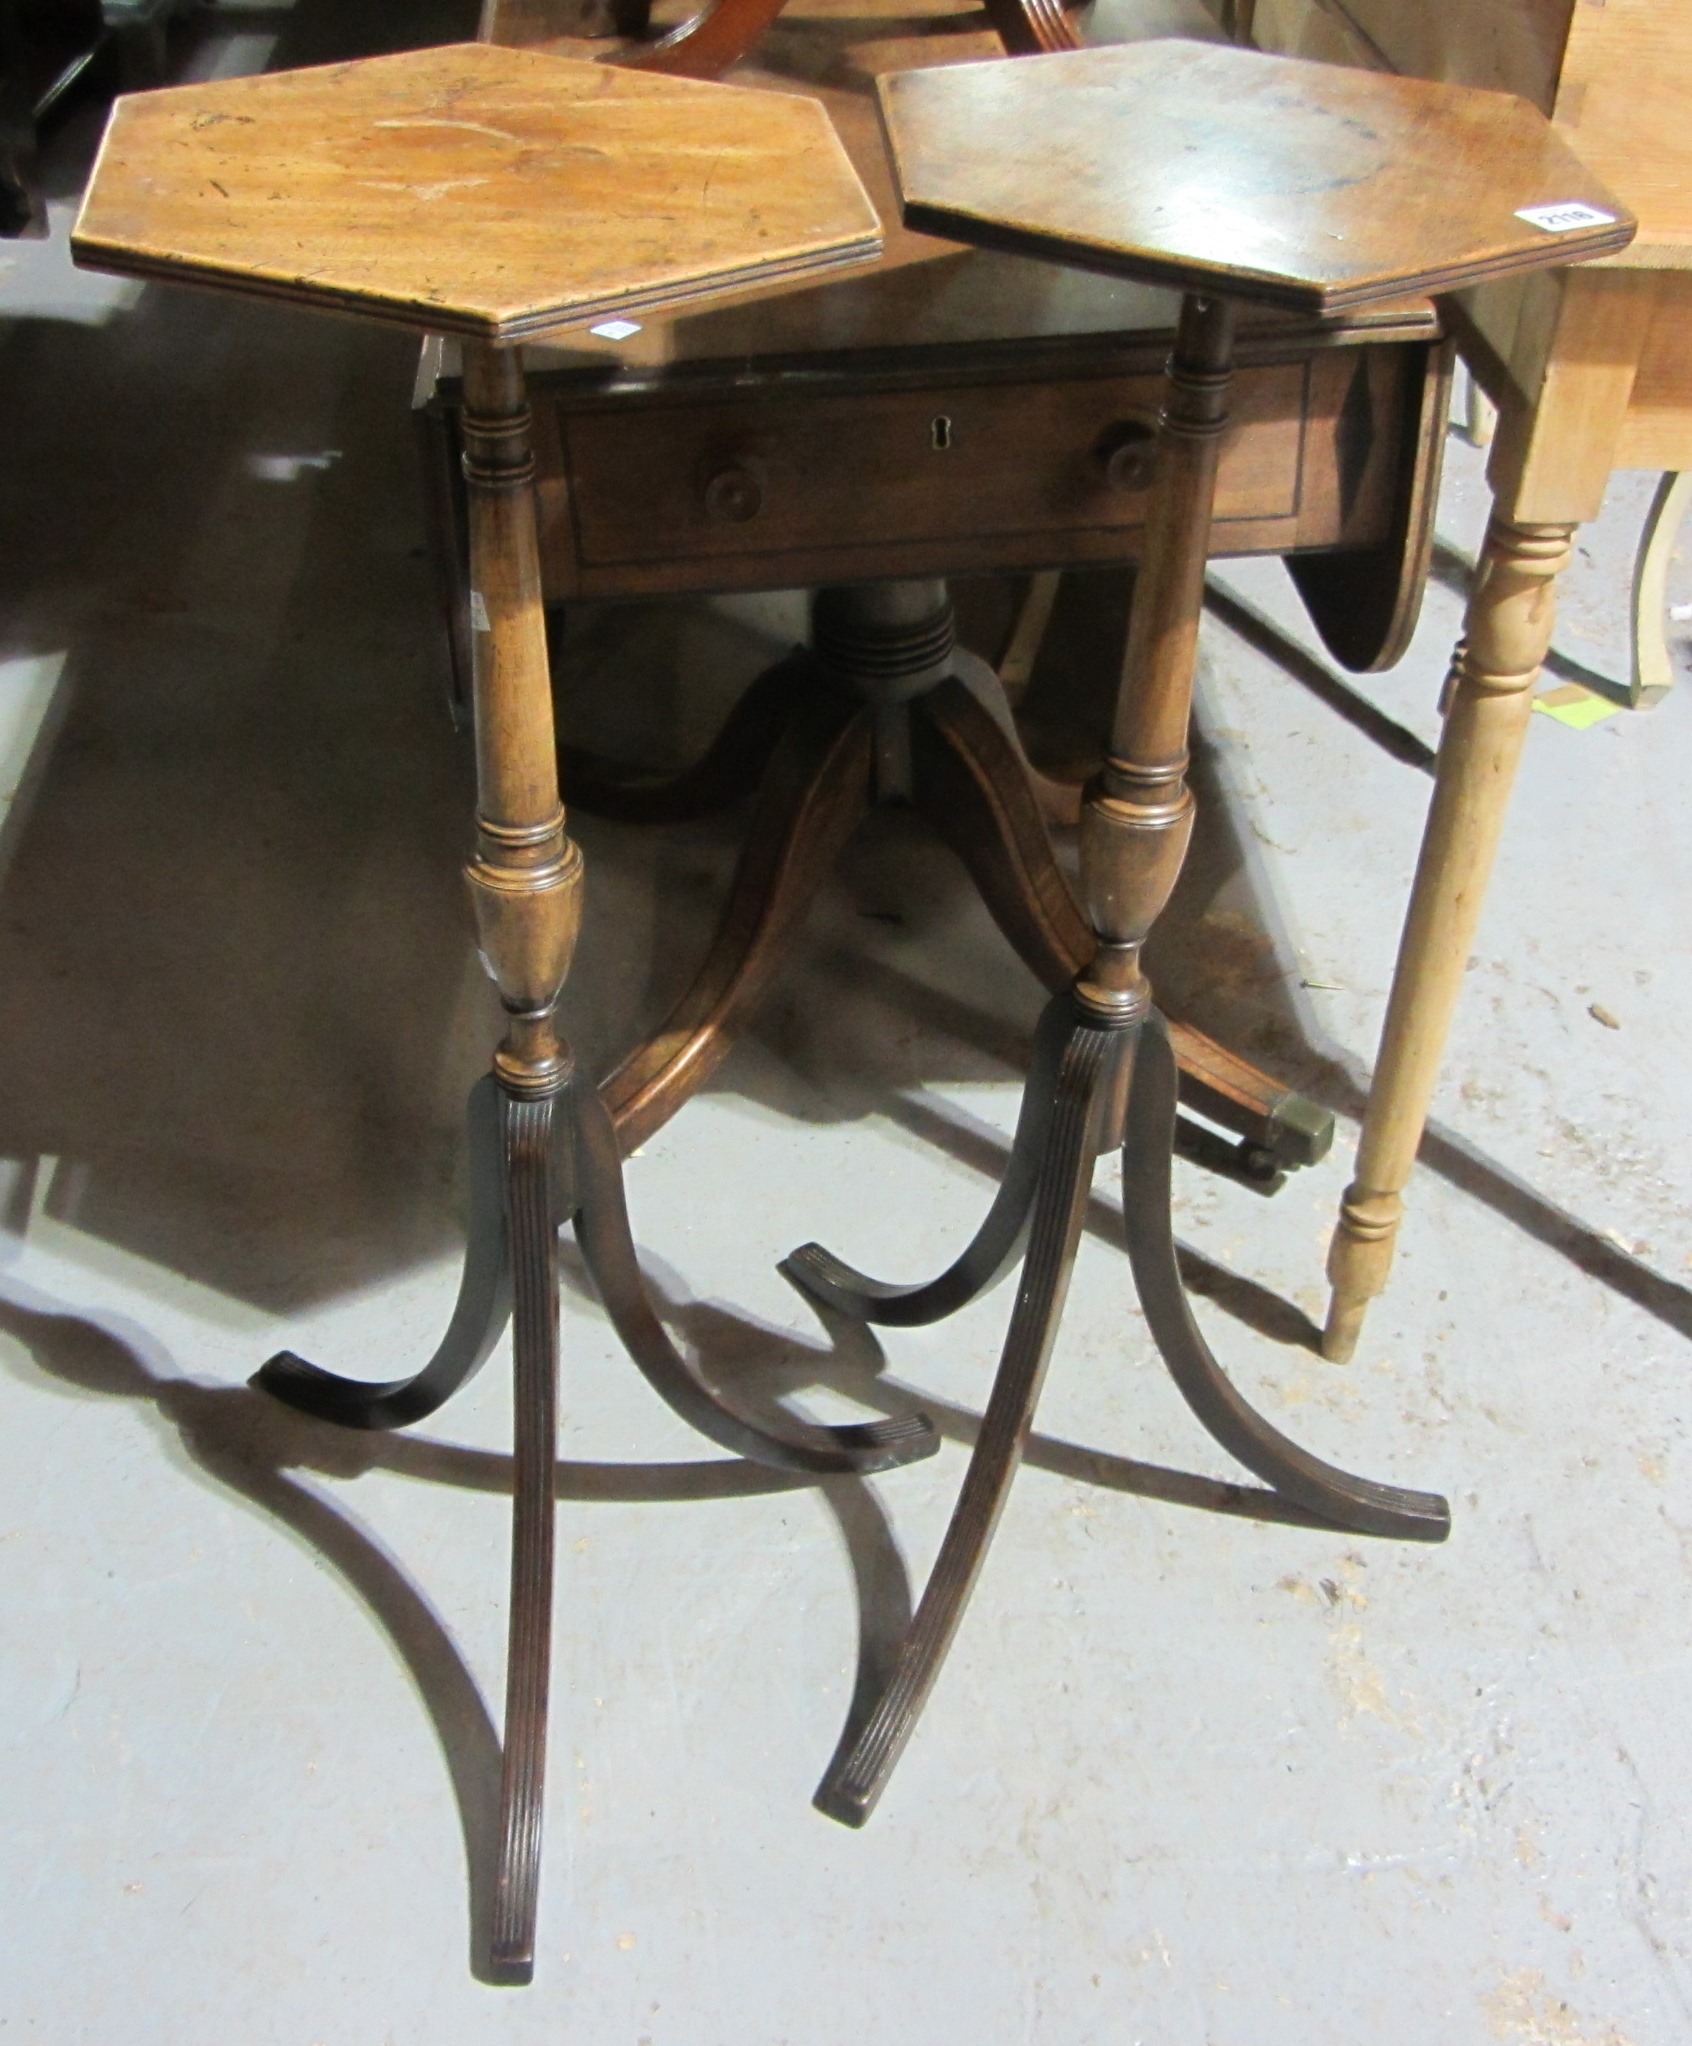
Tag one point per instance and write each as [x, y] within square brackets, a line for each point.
[470, 190]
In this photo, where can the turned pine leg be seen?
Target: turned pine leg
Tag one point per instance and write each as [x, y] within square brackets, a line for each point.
[525, 884]
[1508, 631]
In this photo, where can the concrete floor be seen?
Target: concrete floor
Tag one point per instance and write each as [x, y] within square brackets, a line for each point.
[1193, 1777]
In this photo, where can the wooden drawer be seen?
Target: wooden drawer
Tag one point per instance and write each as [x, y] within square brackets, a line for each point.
[976, 461]
[660, 487]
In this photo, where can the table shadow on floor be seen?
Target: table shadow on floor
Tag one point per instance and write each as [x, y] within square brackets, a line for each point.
[264, 1455]
[247, 1445]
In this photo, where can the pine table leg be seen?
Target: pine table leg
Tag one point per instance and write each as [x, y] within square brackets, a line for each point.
[1510, 616]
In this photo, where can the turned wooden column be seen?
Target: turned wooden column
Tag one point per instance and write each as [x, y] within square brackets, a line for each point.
[525, 884]
[525, 880]
[1138, 815]
[1511, 613]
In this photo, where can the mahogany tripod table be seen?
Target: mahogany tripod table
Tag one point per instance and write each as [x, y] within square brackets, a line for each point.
[495, 195]
[1236, 177]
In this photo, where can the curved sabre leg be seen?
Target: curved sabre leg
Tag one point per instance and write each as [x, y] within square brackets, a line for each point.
[705, 45]
[814, 791]
[1333, 1494]
[478, 1319]
[532, 1220]
[976, 789]
[998, 1244]
[724, 774]
[850, 1789]
[607, 1245]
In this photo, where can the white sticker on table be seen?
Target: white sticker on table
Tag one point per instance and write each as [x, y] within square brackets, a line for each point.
[1564, 219]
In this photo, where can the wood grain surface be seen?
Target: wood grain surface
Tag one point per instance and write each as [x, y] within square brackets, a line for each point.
[1223, 169]
[847, 484]
[921, 290]
[467, 190]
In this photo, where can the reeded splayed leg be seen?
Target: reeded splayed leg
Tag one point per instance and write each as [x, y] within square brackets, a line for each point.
[1089, 1063]
[525, 884]
[1321, 1488]
[1508, 630]
[997, 1246]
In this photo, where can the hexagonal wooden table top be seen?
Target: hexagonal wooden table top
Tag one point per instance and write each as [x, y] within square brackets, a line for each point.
[1210, 167]
[475, 191]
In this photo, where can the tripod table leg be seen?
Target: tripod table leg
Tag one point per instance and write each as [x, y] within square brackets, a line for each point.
[851, 1788]
[1334, 1495]
[1113, 1077]
[997, 1245]
[534, 1243]
[478, 1319]
[602, 1230]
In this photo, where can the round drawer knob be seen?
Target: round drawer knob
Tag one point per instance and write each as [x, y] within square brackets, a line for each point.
[735, 493]
[1126, 454]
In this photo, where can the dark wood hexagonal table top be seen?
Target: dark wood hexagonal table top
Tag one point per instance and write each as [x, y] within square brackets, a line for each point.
[1216, 168]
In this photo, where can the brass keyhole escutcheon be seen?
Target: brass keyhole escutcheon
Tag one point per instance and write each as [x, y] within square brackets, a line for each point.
[940, 433]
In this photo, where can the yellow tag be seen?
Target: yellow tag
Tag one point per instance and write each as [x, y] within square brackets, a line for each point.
[1576, 707]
